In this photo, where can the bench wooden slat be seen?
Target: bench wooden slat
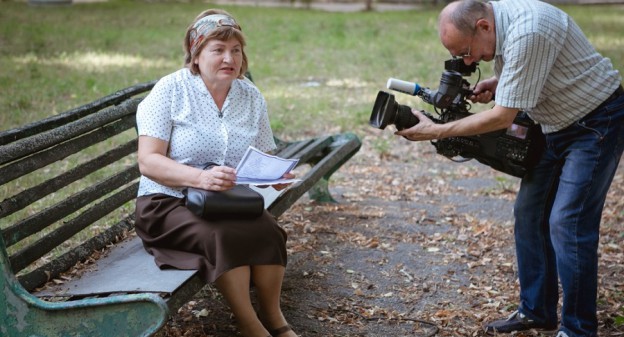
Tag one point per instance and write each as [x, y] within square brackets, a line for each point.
[344, 147]
[48, 216]
[31, 253]
[347, 148]
[305, 149]
[314, 149]
[30, 195]
[58, 152]
[54, 268]
[290, 150]
[175, 286]
[52, 122]
[116, 273]
[27, 146]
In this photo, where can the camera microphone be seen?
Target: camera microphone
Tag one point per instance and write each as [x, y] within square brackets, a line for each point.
[405, 87]
[411, 88]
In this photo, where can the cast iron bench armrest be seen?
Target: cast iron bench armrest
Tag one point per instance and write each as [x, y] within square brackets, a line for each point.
[124, 315]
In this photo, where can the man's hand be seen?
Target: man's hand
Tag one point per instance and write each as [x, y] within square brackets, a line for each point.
[426, 129]
[484, 91]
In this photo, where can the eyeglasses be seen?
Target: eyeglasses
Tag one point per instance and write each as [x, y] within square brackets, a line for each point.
[463, 56]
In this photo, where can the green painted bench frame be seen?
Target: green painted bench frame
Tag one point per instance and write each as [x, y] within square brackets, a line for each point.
[28, 266]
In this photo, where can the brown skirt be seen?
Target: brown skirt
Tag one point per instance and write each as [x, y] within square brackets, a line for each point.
[179, 239]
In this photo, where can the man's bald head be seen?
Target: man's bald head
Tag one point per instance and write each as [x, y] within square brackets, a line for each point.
[462, 15]
[466, 29]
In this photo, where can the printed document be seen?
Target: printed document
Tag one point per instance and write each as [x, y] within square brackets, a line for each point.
[259, 168]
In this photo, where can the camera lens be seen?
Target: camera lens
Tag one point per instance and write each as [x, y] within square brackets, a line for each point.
[405, 119]
[380, 116]
[387, 112]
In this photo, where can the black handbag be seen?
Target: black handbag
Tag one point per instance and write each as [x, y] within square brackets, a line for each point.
[239, 202]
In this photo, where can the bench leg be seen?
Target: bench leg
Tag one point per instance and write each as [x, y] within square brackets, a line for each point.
[26, 315]
[320, 191]
[343, 147]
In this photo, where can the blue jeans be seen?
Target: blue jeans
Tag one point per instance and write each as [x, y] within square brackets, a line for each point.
[558, 212]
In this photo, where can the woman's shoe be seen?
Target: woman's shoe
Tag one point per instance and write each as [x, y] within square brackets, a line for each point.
[279, 331]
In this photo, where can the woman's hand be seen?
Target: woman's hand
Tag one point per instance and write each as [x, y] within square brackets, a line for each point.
[217, 178]
[280, 187]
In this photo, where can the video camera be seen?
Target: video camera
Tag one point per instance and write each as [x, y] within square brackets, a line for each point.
[512, 150]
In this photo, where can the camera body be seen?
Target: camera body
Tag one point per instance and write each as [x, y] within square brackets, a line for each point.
[513, 150]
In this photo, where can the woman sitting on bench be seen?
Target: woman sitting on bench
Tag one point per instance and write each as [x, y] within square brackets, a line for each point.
[208, 112]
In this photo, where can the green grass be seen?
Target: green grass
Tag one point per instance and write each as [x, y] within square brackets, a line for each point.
[319, 71]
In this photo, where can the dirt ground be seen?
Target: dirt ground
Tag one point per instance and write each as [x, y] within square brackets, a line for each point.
[417, 245]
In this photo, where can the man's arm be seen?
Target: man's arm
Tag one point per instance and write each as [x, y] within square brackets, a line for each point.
[494, 119]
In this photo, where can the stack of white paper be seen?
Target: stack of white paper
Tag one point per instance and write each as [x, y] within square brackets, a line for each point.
[259, 168]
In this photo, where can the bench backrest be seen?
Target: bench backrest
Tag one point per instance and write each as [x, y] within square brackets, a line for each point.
[67, 183]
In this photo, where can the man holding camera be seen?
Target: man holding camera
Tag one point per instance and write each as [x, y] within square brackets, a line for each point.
[544, 65]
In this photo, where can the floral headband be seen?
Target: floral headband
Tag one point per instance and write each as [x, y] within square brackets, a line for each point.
[207, 24]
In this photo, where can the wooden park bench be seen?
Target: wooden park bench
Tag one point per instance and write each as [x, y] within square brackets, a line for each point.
[71, 264]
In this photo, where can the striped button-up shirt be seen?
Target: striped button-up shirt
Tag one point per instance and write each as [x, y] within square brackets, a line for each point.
[546, 66]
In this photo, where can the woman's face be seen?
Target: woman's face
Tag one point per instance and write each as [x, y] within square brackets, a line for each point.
[220, 61]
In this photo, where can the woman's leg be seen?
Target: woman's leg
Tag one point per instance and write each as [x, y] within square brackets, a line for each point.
[234, 286]
[268, 282]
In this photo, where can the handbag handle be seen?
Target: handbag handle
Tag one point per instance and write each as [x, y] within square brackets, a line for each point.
[209, 165]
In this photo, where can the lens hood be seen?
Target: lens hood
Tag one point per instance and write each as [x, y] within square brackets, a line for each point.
[381, 117]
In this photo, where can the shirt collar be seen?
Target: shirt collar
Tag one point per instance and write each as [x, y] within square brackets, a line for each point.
[200, 87]
[197, 83]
